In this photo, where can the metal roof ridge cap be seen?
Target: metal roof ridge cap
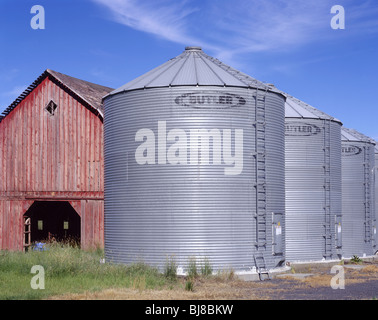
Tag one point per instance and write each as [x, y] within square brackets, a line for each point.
[195, 70]
[181, 67]
[227, 69]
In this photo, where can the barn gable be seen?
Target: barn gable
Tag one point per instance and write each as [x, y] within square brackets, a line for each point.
[89, 94]
[51, 151]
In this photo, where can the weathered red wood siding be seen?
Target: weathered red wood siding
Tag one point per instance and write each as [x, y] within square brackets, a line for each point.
[92, 222]
[44, 157]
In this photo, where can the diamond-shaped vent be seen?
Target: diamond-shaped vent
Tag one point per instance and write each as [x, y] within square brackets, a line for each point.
[51, 107]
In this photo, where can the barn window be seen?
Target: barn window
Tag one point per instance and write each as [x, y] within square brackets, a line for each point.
[51, 107]
[40, 224]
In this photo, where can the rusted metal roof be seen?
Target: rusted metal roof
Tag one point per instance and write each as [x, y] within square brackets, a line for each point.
[88, 93]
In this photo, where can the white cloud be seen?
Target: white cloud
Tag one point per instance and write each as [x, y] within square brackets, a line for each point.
[229, 28]
[162, 18]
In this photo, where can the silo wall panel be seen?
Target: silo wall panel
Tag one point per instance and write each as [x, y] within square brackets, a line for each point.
[169, 192]
[375, 236]
[311, 189]
[357, 198]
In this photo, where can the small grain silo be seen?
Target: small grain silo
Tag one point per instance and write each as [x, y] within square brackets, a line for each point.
[357, 193]
[313, 183]
[194, 167]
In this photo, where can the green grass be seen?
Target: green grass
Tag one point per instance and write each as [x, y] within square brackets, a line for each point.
[70, 270]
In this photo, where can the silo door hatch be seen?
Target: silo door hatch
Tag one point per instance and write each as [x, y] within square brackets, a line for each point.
[51, 221]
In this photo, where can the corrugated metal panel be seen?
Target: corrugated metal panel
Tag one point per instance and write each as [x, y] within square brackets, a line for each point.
[375, 222]
[313, 184]
[357, 193]
[192, 209]
[193, 67]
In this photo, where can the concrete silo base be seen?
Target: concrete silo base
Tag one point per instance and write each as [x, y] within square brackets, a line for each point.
[254, 276]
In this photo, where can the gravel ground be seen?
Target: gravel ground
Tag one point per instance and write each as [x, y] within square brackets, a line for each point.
[294, 291]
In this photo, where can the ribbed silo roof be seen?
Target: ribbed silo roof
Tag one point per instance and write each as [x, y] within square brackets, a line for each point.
[295, 108]
[353, 135]
[193, 68]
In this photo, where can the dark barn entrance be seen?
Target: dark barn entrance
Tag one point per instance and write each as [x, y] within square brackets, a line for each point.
[53, 220]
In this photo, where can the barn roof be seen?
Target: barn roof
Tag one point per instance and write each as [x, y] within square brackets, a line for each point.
[87, 93]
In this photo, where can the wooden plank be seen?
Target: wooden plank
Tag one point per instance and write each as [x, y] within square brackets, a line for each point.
[74, 145]
[39, 132]
[19, 221]
[101, 223]
[29, 143]
[83, 234]
[2, 213]
[2, 163]
[86, 147]
[82, 149]
[33, 127]
[60, 149]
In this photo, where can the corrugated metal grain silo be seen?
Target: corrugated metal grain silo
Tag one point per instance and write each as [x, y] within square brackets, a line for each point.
[313, 183]
[357, 193]
[375, 235]
[194, 167]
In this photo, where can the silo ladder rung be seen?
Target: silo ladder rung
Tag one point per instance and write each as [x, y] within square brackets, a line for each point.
[261, 267]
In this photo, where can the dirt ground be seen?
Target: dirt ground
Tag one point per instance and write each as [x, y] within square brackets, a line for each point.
[302, 282]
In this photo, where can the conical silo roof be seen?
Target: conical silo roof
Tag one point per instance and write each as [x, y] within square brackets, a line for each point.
[295, 108]
[193, 67]
[354, 135]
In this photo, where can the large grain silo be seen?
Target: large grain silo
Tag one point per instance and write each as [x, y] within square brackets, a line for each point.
[194, 167]
[357, 193]
[313, 183]
[375, 236]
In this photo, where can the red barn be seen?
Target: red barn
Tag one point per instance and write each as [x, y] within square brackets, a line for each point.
[51, 160]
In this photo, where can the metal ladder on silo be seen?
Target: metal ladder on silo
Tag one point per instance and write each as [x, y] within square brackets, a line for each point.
[259, 155]
[367, 202]
[260, 141]
[327, 190]
[261, 267]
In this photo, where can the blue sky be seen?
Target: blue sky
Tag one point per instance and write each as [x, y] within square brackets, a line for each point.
[286, 42]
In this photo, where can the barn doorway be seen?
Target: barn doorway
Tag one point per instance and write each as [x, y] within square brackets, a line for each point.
[53, 220]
